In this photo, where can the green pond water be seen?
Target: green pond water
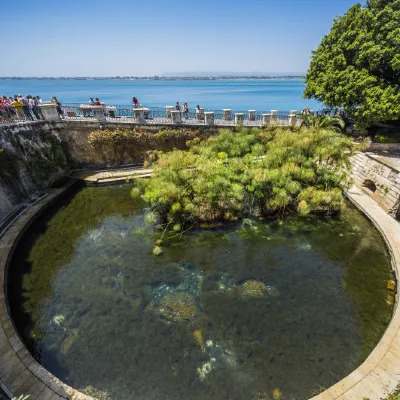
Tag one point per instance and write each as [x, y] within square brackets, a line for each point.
[254, 310]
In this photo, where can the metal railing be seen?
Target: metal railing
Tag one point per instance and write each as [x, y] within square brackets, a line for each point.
[159, 115]
[151, 115]
[10, 114]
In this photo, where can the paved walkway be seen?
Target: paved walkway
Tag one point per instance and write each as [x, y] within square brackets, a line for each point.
[114, 175]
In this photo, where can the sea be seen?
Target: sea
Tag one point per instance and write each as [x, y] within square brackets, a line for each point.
[237, 94]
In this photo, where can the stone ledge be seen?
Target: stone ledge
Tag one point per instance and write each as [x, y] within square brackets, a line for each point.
[20, 373]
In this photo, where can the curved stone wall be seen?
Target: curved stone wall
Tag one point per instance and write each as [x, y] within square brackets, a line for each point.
[21, 374]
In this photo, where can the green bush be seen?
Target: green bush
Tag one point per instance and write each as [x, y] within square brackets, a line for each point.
[250, 172]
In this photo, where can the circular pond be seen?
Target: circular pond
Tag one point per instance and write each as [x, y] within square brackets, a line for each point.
[254, 310]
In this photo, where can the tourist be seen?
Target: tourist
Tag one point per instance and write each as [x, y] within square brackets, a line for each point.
[91, 102]
[25, 107]
[18, 107]
[97, 102]
[38, 100]
[185, 110]
[178, 106]
[59, 109]
[198, 112]
[135, 102]
[33, 107]
[6, 110]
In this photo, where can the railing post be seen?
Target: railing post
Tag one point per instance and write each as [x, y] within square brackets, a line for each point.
[138, 114]
[252, 115]
[49, 111]
[226, 114]
[175, 116]
[274, 116]
[239, 119]
[98, 113]
[293, 117]
[200, 114]
[168, 110]
[266, 119]
[209, 118]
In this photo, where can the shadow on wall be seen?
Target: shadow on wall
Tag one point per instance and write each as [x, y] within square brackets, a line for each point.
[31, 158]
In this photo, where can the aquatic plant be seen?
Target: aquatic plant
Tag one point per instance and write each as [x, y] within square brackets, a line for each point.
[198, 337]
[178, 307]
[157, 250]
[96, 393]
[249, 172]
[253, 288]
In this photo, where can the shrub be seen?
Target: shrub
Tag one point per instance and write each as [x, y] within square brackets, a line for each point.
[256, 172]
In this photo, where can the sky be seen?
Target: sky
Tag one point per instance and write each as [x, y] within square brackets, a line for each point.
[154, 37]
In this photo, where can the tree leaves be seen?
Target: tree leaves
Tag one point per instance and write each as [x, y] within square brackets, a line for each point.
[357, 65]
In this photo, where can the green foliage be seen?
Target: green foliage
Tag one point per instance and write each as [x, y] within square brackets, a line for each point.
[387, 138]
[258, 172]
[318, 122]
[115, 145]
[22, 397]
[357, 65]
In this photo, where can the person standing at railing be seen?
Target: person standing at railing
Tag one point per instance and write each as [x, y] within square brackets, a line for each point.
[185, 110]
[8, 109]
[178, 106]
[38, 102]
[59, 109]
[198, 112]
[135, 102]
[97, 102]
[25, 108]
[18, 107]
[91, 102]
[32, 106]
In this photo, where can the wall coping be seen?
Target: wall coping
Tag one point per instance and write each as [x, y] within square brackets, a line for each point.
[20, 373]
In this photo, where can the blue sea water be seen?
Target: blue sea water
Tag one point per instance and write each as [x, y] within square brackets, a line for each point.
[244, 94]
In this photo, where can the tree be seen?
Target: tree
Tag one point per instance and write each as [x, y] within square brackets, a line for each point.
[357, 65]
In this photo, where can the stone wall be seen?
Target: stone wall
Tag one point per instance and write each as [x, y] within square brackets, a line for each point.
[32, 157]
[75, 133]
[379, 176]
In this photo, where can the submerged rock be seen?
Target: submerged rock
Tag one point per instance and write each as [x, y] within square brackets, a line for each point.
[178, 307]
[69, 341]
[253, 288]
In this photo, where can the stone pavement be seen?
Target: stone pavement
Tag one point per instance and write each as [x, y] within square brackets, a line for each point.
[115, 175]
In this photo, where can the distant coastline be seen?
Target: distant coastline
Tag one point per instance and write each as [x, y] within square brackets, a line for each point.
[156, 78]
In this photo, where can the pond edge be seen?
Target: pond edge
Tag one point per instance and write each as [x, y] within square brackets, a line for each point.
[20, 373]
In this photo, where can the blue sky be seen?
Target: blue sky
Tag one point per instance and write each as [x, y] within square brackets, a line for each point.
[148, 37]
